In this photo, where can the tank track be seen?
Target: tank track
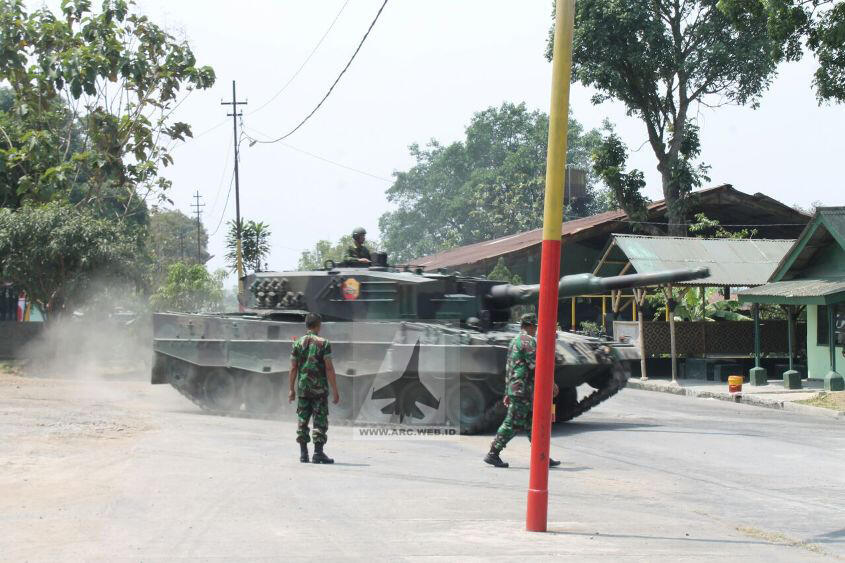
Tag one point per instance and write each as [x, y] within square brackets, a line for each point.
[615, 383]
[489, 422]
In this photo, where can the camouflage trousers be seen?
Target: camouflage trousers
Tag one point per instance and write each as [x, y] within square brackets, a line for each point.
[518, 418]
[318, 408]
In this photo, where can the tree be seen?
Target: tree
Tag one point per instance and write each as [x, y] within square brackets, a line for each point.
[662, 58]
[54, 251]
[792, 24]
[190, 287]
[489, 185]
[705, 227]
[609, 160]
[315, 259]
[255, 244]
[93, 95]
[172, 237]
[501, 272]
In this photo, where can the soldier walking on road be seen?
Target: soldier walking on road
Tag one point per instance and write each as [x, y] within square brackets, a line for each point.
[359, 253]
[519, 390]
[311, 374]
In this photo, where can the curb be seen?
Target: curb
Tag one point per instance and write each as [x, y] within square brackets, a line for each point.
[752, 400]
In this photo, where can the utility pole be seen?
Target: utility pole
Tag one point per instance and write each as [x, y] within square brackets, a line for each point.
[198, 212]
[235, 114]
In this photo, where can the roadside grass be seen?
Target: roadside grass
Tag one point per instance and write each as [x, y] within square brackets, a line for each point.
[834, 400]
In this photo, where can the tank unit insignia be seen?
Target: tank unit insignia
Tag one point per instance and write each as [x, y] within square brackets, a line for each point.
[350, 289]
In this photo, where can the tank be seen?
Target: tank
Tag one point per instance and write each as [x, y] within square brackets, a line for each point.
[408, 347]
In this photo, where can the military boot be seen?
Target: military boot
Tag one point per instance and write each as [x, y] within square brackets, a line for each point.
[493, 459]
[319, 456]
[553, 462]
[303, 452]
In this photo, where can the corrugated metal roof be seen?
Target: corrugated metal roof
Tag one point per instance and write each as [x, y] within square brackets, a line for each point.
[732, 262]
[828, 223]
[796, 289]
[834, 220]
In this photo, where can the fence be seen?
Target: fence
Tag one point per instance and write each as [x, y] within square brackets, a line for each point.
[721, 338]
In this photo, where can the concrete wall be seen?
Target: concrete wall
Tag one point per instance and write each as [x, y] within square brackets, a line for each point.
[14, 337]
[818, 357]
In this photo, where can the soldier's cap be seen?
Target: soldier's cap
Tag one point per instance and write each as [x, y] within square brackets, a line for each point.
[528, 319]
[358, 231]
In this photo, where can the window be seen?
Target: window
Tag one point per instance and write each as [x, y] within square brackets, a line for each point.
[838, 321]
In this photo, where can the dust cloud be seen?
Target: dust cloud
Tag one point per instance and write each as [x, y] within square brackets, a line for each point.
[103, 337]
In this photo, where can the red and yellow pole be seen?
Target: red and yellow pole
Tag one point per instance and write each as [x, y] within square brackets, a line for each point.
[538, 486]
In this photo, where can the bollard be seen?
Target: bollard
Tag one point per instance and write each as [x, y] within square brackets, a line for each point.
[735, 383]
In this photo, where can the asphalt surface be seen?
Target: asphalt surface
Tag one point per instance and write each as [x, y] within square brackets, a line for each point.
[121, 470]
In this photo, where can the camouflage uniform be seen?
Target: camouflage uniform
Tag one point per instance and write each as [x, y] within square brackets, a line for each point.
[355, 252]
[519, 384]
[311, 352]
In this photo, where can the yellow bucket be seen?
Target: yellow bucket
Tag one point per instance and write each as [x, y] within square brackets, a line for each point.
[735, 383]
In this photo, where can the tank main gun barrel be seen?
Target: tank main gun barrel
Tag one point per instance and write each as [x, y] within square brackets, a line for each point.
[507, 295]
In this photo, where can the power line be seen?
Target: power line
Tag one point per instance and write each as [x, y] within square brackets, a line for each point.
[324, 159]
[313, 111]
[229, 192]
[222, 178]
[327, 160]
[225, 205]
[305, 62]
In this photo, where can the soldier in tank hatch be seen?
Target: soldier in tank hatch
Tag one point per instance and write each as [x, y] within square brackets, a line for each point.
[358, 252]
[519, 390]
[311, 375]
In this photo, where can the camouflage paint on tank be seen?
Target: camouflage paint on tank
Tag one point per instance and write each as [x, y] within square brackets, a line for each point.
[407, 347]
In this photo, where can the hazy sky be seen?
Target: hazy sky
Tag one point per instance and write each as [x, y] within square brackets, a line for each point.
[426, 67]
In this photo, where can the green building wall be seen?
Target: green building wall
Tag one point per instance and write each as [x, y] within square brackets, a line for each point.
[818, 357]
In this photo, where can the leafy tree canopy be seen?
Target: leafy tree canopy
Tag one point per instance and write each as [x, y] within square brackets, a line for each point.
[489, 185]
[818, 25]
[705, 227]
[172, 237]
[660, 58]
[501, 272]
[93, 93]
[190, 287]
[255, 244]
[54, 251]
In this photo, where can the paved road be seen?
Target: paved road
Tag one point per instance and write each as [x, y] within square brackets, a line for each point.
[124, 470]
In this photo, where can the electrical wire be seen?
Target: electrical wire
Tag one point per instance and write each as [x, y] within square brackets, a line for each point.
[222, 178]
[225, 206]
[313, 111]
[231, 183]
[324, 159]
[305, 62]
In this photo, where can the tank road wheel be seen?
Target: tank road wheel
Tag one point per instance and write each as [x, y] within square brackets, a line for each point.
[260, 394]
[221, 390]
[467, 408]
[496, 384]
